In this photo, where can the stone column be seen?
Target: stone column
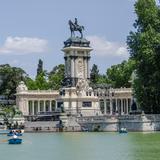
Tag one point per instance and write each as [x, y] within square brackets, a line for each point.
[105, 107]
[85, 68]
[44, 106]
[72, 67]
[32, 107]
[38, 106]
[122, 106]
[74, 59]
[130, 102]
[116, 106]
[127, 105]
[111, 107]
[55, 105]
[50, 106]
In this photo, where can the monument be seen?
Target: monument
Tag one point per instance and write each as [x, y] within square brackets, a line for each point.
[77, 98]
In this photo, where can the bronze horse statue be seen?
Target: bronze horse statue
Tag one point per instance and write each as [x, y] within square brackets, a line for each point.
[75, 27]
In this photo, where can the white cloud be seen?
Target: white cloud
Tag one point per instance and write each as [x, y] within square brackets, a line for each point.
[105, 48]
[23, 45]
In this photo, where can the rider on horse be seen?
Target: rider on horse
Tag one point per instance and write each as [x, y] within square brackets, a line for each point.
[75, 27]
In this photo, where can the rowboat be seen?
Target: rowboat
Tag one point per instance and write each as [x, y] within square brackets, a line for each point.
[15, 140]
[123, 130]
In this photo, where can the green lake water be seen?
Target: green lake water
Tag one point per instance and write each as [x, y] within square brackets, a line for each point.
[83, 146]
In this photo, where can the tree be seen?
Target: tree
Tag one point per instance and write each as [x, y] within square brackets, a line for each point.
[31, 84]
[120, 75]
[10, 78]
[94, 75]
[144, 48]
[41, 82]
[8, 113]
[40, 67]
[56, 76]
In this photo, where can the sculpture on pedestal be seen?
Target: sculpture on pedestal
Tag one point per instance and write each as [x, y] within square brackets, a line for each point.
[75, 27]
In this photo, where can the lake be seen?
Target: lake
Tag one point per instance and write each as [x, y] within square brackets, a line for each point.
[83, 146]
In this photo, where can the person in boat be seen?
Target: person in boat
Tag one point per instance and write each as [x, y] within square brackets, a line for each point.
[14, 136]
[10, 132]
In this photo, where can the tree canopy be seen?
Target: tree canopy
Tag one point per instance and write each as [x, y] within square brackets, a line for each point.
[144, 48]
[40, 67]
[94, 75]
[56, 76]
[120, 75]
[10, 78]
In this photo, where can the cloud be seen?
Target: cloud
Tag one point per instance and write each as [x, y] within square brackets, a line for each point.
[105, 48]
[23, 45]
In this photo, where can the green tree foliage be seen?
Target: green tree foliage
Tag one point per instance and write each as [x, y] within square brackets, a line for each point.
[144, 47]
[9, 79]
[40, 67]
[40, 82]
[94, 75]
[102, 79]
[120, 75]
[8, 113]
[31, 84]
[56, 76]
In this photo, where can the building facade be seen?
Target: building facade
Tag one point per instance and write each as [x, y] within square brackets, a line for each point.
[37, 102]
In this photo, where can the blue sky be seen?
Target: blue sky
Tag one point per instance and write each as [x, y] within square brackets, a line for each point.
[33, 29]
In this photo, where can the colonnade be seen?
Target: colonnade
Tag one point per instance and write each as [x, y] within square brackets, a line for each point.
[115, 106]
[37, 106]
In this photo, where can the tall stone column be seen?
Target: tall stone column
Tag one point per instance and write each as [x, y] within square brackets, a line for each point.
[72, 67]
[127, 105]
[105, 107]
[38, 106]
[50, 106]
[55, 105]
[111, 107]
[44, 105]
[85, 68]
[32, 107]
[116, 106]
[122, 106]
[74, 59]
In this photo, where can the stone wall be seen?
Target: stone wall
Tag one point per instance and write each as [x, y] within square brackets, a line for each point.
[114, 123]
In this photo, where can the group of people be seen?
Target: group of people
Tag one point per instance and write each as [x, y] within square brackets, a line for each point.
[15, 133]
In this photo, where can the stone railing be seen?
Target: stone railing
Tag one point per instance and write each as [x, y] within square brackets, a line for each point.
[121, 90]
[40, 92]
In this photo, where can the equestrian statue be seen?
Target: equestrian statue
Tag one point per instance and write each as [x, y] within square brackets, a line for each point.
[75, 27]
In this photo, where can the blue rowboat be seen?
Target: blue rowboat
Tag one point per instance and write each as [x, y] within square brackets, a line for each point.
[15, 141]
[123, 130]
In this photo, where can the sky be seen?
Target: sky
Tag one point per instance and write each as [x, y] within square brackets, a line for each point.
[33, 29]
